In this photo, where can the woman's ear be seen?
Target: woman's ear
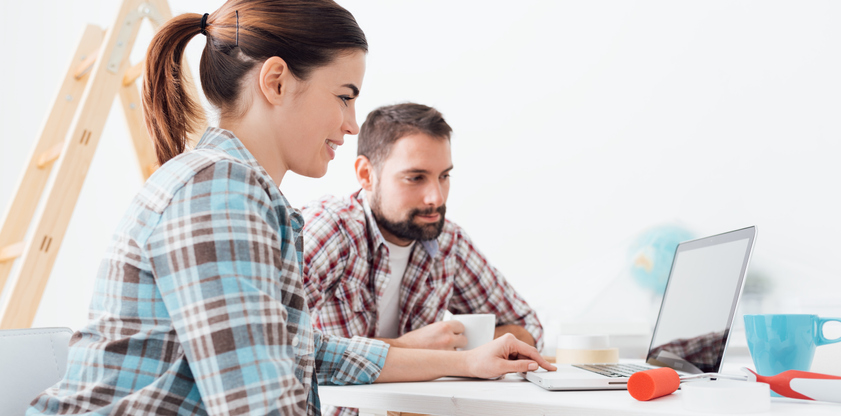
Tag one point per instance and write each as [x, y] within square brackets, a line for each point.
[274, 80]
[364, 173]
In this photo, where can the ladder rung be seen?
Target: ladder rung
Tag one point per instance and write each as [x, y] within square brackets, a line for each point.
[86, 65]
[50, 155]
[12, 251]
[133, 73]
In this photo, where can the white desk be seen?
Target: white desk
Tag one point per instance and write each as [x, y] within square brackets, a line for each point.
[514, 396]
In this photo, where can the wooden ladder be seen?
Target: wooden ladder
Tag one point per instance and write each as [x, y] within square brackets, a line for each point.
[99, 70]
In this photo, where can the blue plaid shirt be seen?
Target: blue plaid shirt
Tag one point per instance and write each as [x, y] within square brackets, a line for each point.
[199, 306]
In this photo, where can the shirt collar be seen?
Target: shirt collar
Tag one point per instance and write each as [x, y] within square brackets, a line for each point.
[227, 142]
[431, 246]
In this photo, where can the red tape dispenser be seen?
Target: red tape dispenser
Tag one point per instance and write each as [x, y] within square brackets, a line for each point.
[651, 384]
[801, 385]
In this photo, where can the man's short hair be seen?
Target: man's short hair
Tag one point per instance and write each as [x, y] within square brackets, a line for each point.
[387, 124]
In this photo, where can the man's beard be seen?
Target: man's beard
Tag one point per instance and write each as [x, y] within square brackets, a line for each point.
[407, 229]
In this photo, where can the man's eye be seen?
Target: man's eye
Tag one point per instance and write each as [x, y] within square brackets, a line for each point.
[415, 178]
[445, 176]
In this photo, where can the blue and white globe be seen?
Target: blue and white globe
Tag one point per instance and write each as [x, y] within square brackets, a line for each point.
[651, 255]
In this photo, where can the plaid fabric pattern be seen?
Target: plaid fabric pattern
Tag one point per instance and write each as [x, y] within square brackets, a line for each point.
[346, 270]
[199, 303]
[704, 351]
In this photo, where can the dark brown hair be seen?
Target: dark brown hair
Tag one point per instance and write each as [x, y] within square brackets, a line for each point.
[307, 34]
[387, 124]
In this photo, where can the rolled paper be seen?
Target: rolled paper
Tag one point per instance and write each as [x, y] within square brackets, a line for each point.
[603, 356]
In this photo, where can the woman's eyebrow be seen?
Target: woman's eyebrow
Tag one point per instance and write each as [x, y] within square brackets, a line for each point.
[352, 88]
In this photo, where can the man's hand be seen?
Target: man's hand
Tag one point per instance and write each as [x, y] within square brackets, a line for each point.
[515, 330]
[504, 355]
[446, 335]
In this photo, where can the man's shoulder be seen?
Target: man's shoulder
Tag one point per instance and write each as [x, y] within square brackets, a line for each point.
[453, 239]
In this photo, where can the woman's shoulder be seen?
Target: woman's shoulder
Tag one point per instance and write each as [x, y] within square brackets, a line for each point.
[202, 169]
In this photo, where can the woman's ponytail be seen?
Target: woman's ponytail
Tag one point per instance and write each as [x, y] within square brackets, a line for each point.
[171, 113]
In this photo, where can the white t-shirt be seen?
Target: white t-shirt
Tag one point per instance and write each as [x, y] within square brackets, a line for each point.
[389, 305]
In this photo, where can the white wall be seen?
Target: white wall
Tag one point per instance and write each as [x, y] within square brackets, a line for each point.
[577, 126]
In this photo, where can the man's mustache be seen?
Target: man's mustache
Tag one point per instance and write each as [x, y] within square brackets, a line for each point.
[429, 211]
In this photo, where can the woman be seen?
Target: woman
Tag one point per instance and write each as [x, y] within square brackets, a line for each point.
[199, 306]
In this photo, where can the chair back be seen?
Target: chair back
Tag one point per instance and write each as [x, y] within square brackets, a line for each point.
[31, 360]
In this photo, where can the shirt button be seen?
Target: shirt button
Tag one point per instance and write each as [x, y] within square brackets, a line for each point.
[295, 341]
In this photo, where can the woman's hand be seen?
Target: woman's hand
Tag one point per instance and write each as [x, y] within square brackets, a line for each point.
[503, 355]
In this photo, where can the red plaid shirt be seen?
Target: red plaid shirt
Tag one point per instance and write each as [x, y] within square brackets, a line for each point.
[346, 269]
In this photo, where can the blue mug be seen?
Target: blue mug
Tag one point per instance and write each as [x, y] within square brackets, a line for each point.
[785, 342]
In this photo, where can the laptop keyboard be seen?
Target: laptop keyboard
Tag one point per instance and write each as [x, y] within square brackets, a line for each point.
[613, 370]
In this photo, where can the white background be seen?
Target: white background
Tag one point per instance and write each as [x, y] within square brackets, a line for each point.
[578, 124]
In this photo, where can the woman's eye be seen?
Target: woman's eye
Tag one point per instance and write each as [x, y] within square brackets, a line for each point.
[345, 99]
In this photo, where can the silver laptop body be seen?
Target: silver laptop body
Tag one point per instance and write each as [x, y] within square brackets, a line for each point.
[696, 314]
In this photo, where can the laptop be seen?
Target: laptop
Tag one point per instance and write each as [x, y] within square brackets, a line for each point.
[693, 326]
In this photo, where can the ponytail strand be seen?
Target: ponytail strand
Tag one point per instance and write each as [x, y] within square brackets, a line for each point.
[171, 113]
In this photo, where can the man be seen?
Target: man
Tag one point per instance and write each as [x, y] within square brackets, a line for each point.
[385, 263]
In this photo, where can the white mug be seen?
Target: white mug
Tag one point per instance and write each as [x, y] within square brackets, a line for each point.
[478, 328]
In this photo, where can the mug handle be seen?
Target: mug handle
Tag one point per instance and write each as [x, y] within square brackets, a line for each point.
[822, 340]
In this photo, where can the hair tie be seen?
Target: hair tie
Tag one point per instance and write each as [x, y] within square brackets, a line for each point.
[204, 24]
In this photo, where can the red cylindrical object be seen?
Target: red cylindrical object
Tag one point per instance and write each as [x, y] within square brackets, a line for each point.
[651, 384]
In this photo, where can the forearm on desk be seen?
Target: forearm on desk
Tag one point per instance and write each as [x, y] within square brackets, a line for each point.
[402, 364]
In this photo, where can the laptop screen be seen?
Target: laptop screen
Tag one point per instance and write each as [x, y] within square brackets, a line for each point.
[700, 302]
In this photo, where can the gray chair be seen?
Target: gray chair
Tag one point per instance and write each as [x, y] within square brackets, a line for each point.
[31, 360]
